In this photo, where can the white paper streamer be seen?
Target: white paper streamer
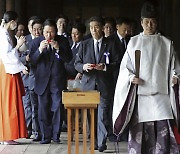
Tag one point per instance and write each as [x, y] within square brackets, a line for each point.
[107, 57]
[2, 22]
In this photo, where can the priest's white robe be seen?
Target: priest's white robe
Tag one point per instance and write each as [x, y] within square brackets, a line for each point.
[8, 54]
[157, 66]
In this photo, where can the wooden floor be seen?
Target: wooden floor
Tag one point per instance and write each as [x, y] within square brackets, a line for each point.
[29, 147]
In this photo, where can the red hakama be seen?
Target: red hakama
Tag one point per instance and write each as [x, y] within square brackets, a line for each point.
[12, 119]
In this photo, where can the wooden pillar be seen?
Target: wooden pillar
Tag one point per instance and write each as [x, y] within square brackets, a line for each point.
[175, 25]
[17, 7]
[20, 8]
[10, 5]
[2, 8]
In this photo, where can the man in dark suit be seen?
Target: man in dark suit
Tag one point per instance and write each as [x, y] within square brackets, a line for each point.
[30, 36]
[30, 101]
[77, 33]
[48, 54]
[62, 23]
[96, 60]
[109, 26]
[121, 38]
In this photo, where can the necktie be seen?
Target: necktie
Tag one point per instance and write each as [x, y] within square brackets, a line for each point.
[49, 48]
[123, 44]
[97, 51]
[49, 51]
[74, 47]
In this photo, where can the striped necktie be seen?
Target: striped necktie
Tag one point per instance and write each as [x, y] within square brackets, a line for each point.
[74, 47]
[97, 51]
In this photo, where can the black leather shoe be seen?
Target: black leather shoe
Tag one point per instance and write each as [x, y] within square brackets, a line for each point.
[46, 141]
[95, 147]
[102, 148]
[56, 140]
[37, 138]
[64, 128]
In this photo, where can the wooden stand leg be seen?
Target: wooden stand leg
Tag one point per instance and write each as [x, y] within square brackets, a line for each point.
[72, 124]
[84, 131]
[92, 131]
[69, 130]
[77, 131]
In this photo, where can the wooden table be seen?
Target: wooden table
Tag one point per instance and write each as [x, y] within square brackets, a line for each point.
[82, 100]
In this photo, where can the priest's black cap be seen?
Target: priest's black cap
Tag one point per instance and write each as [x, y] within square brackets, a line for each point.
[148, 10]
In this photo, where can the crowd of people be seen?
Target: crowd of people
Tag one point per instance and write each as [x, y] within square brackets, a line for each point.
[137, 102]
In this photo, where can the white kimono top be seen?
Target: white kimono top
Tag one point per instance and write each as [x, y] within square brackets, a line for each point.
[157, 66]
[8, 54]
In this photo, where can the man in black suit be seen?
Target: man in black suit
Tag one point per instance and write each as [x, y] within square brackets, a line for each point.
[96, 60]
[109, 26]
[77, 33]
[30, 36]
[62, 22]
[48, 54]
[121, 38]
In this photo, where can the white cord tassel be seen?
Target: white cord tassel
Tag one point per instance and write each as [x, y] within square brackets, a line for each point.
[107, 57]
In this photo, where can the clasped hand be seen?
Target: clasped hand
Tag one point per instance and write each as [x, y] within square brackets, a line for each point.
[138, 81]
[25, 71]
[87, 67]
[44, 44]
[174, 80]
[20, 42]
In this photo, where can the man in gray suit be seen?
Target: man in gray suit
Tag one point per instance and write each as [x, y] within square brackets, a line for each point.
[96, 60]
[30, 101]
